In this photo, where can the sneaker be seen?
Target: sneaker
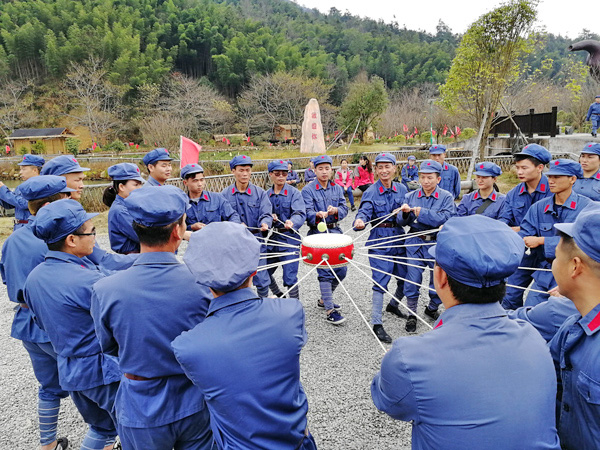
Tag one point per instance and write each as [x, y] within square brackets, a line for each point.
[381, 334]
[394, 310]
[321, 304]
[411, 324]
[117, 444]
[62, 443]
[335, 318]
[432, 314]
[353, 208]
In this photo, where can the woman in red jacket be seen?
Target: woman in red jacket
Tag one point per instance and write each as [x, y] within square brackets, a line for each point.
[344, 178]
[363, 175]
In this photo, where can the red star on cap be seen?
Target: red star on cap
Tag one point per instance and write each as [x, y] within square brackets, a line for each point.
[74, 160]
[281, 162]
[557, 163]
[138, 170]
[244, 156]
[590, 145]
[428, 164]
[24, 156]
[481, 166]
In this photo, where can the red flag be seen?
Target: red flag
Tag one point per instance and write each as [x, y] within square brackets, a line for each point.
[137, 146]
[458, 131]
[189, 151]
[248, 140]
[251, 144]
[405, 127]
[451, 133]
[94, 145]
[445, 130]
[411, 136]
[395, 134]
[270, 144]
[416, 131]
[131, 144]
[224, 139]
[7, 149]
[156, 144]
[433, 132]
[228, 142]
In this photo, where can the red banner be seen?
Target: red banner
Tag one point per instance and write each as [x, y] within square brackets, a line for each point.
[189, 151]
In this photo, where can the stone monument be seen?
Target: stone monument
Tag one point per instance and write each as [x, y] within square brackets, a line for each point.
[313, 139]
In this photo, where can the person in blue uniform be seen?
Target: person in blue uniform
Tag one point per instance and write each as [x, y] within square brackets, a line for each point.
[309, 173]
[158, 163]
[464, 396]
[486, 199]
[533, 187]
[245, 356]
[21, 253]
[205, 207]
[450, 175]
[537, 227]
[589, 183]
[254, 208]
[381, 200]
[68, 167]
[576, 346]
[157, 406]
[546, 317]
[29, 167]
[410, 174]
[425, 209]
[126, 178]
[593, 114]
[58, 292]
[292, 177]
[289, 214]
[324, 201]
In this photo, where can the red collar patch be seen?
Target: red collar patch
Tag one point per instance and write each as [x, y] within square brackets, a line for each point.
[233, 190]
[594, 323]
[522, 189]
[445, 166]
[318, 186]
[597, 176]
[542, 188]
[394, 188]
[420, 194]
[436, 195]
[573, 204]
[381, 189]
[249, 191]
[440, 323]
[546, 208]
[476, 196]
[205, 197]
[494, 197]
[285, 192]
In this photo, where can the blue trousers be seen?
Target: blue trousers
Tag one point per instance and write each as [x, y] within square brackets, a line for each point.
[415, 274]
[262, 279]
[350, 194]
[290, 271]
[595, 124]
[383, 280]
[43, 360]
[190, 433]
[513, 298]
[96, 406]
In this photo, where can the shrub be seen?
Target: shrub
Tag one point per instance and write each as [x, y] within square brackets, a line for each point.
[72, 145]
[37, 149]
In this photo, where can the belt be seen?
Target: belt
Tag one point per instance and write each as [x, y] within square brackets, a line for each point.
[21, 221]
[329, 225]
[387, 225]
[24, 305]
[424, 237]
[139, 378]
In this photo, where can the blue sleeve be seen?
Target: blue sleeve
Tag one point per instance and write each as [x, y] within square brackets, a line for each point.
[298, 210]
[550, 243]
[456, 183]
[392, 389]
[528, 227]
[311, 213]
[589, 114]
[461, 209]
[436, 217]
[103, 332]
[10, 200]
[109, 262]
[366, 209]
[227, 212]
[123, 222]
[266, 209]
[340, 203]
[546, 317]
[506, 212]
[404, 174]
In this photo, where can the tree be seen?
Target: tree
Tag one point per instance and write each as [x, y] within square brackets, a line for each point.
[16, 103]
[366, 101]
[72, 145]
[488, 60]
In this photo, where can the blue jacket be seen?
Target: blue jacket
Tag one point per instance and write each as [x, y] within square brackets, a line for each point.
[409, 174]
[435, 209]
[245, 358]
[208, 208]
[253, 206]
[21, 253]
[450, 180]
[318, 199]
[546, 317]
[462, 397]
[288, 205]
[293, 176]
[13, 199]
[576, 352]
[378, 202]
[594, 109]
[136, 317]
[152, 182]
[59, 292]
[539, 221]
[518, 201]
[120, 229]
[590, 187]
[471, 202]
[309, 175]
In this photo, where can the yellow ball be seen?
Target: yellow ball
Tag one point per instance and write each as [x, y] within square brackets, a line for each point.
[322, 227]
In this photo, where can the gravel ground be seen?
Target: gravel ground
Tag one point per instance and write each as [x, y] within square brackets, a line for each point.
[338, 364]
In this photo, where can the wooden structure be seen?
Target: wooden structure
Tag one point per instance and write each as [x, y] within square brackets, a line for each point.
[285, 133]
[53, 139]
[541, 124]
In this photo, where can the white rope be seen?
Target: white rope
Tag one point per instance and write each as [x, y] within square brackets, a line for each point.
[293, 229]
[367, 223]
[404, 236]
[357, 309]
[402, 246]
[535, 268]
[273, 255]
[399, 257]
[400, 238]
[271, 243]
[399, 262]
[524, 289]
[286, 236]
[410, 311]
[301, 279]
[386, 273]
[278, 264]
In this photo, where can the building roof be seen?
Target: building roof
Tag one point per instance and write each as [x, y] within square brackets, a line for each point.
[33, 133]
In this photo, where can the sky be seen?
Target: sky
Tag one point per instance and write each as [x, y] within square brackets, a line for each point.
[557, 16]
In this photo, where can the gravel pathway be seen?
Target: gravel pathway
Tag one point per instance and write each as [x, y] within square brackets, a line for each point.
[338, 364]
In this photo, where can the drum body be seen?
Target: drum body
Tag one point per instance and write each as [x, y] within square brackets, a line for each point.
[334, 248]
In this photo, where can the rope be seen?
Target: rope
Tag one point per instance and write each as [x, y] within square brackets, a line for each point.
[309, 272]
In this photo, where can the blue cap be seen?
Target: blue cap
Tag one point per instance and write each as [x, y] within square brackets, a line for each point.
[322, 159]
[478, 251]
[597, 96]
[240, 160]
[32, 160]
[157, 206]
[430, 166]
[158, 154]
[488, 169]
[537, 151]
[222, 255]
[592, 148]
[566, 167]
[385, 157]
[59, 219]
[585, 230]
[290, 163]
[124, 171]
[62, 165]
[412, 157]
[278, 164]
[191, 169]
[437, 149]
[43, 186]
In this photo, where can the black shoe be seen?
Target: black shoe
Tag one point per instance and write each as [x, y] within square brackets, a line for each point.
[381, 334]
[411, 324]
[432, 314]
[394, 310]
[62, 443]
[353, 208]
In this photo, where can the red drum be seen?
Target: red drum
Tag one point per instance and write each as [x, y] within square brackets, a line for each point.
[334, 248]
